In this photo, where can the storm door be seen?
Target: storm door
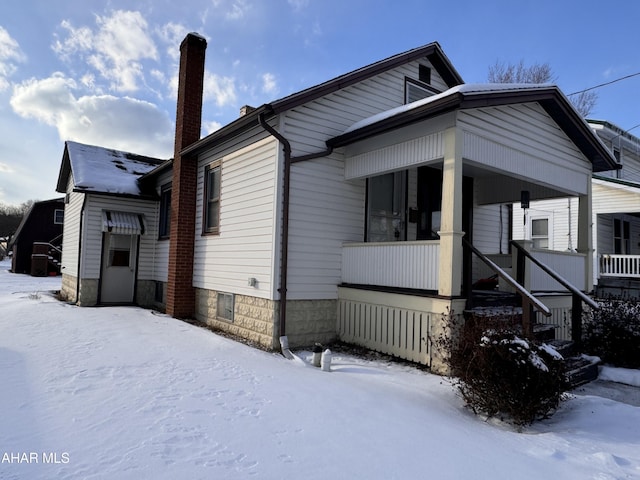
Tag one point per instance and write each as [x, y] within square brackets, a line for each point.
[119, 254]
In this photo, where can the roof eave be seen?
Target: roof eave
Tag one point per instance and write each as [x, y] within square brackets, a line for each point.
[551, 99]
[432, 51]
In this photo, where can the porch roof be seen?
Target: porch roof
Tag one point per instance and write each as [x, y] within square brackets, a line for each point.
[469, 96]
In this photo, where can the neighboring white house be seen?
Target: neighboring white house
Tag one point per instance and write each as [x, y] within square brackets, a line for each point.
[340, 211]
[553, 224]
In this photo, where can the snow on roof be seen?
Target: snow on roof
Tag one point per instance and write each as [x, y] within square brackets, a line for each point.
[467, 88]
[98, 169]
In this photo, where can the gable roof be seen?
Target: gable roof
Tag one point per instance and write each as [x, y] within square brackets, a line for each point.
[103, 170]
[468, 96]
[432, 51]
[25, 218]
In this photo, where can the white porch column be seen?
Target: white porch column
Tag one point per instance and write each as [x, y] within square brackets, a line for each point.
[450, 268]
[585, 236]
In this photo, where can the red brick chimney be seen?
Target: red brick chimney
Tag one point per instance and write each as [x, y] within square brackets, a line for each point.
[180, 291]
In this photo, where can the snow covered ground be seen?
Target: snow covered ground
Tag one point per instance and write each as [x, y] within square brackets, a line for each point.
[125, 393]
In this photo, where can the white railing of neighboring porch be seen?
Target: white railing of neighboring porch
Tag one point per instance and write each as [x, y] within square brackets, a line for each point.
[620, 265]
[392, 264]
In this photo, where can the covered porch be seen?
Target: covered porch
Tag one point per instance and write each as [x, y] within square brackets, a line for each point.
[617, 244]
[446, 179]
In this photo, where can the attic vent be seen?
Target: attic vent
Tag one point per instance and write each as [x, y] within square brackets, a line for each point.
[424, 74]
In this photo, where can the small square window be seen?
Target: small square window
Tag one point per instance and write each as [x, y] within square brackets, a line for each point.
[58, 217]
[225, 306]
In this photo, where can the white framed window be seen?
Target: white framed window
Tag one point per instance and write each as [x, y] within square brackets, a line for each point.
[225, 306]
[621, 237]
[211, 216]
[58, 216]
[540, 233]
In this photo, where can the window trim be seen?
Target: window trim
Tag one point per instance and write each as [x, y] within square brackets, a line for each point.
[206, 229]
[164, 220]
[536, 238]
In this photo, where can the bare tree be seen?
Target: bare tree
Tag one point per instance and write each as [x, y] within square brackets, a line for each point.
[538, 73]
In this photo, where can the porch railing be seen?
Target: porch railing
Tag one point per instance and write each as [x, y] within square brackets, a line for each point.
[627, 266]
[571, 264]
[411, 265]
[577, 296]
[530, 304]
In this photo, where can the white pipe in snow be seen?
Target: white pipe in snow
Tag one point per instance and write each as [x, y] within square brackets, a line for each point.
[284, 345]
[325, 361]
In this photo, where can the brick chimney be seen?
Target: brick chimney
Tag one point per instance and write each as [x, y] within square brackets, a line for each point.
[180, 291]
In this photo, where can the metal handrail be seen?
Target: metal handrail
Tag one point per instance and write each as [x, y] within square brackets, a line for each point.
[556, 276]
[527, 297]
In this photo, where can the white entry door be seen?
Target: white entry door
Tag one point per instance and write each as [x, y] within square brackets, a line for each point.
[118, 268]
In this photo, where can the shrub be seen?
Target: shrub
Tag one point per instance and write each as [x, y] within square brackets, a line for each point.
[498, 373]
[613, 332]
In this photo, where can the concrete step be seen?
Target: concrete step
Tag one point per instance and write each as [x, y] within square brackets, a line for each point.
[580, 370]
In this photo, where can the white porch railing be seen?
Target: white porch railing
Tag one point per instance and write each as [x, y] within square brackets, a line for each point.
[569, 265]
[392, 264]
[627, 266]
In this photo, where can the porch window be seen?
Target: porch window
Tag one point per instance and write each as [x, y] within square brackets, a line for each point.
[621, 237]
[165, 211]
[211, 217]
[386, 206]
[540, 232]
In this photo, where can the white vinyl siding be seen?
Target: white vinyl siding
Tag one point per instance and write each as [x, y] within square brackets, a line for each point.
[244, 246]
[71, 230]
[326, 210]
[525, 141]
[92, 237]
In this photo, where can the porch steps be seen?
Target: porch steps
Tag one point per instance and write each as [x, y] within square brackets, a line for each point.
[579, 369]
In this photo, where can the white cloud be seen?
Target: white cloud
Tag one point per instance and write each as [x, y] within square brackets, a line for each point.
[221, 89]
[4, 168]
[115, 49]
[10, 54]
[238, 10]
[269, 83]
[173, 34]
[210, 127]
[298, 5]
[120, 123]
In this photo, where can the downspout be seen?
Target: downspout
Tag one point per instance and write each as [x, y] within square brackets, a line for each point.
[284, 249]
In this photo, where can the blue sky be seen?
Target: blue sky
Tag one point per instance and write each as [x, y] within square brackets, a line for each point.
[104, 72]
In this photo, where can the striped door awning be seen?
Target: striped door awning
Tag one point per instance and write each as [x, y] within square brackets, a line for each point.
[122, 223]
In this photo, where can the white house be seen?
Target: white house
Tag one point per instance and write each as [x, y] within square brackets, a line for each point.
[552, 224]
[110, 227]
[340, 211]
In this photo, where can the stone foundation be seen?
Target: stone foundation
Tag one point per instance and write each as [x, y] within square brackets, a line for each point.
[68, 288]
[146, 294]
[88, 292]
[257, 319]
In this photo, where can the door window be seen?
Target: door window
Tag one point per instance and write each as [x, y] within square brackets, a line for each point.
[119, 250]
